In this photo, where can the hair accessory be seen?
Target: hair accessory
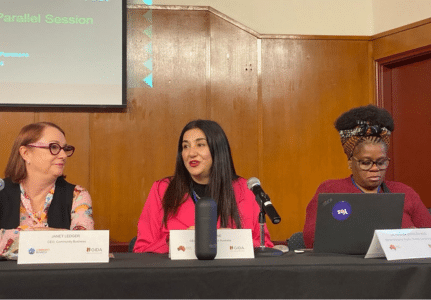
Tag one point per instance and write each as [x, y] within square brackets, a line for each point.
[365, 129]
[351, 137]
[364, 123]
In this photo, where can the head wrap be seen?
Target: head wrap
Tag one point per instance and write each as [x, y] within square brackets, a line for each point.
[350, 138]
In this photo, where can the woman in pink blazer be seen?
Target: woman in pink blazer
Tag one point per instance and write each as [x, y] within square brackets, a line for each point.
[204, 168]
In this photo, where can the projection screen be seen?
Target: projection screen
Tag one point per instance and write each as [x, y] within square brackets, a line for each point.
[63, 53]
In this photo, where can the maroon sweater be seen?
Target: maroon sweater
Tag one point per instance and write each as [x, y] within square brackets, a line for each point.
[415, 213]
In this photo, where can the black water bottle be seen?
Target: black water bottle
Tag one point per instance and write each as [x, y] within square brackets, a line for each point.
[206, 228]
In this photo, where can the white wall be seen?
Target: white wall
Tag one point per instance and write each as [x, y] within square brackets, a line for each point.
[400, 13]
[316, 17]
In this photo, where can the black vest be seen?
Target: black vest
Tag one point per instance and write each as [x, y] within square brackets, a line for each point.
[58, 212]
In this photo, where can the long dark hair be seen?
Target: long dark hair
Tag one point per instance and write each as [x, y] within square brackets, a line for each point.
[222, 175]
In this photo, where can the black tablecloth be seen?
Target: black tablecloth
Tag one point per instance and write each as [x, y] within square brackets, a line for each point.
[307, 275]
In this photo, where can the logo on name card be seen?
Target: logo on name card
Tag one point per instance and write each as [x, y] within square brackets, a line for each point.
[392, 247]
[236, 248]
[94, 250]
[181, 248]
[341, 211]
[32, 251]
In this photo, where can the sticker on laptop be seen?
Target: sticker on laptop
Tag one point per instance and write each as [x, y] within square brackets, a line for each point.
[341, 210]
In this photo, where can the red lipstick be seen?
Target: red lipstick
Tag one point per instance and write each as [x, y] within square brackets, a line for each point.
[194, 163]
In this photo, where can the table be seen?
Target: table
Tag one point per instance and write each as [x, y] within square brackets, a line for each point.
[308, 275]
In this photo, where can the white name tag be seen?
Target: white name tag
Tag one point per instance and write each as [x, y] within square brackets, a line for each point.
[397, 244]
[231, 243]
[63, 246]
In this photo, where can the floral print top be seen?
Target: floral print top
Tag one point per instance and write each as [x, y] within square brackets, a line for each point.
[81, 217]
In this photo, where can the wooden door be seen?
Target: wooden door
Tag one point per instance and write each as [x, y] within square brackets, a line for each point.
[405, 90]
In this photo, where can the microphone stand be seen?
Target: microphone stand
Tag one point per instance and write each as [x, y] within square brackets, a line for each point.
[262, 251]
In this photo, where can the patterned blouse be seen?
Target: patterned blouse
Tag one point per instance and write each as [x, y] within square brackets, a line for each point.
[81, 217]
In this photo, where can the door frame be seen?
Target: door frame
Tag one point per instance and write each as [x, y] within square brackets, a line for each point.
[383, 82]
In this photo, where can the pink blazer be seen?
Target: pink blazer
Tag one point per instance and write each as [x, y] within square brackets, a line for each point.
[153, 236]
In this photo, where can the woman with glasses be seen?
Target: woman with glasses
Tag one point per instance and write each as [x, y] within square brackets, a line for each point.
[365, 135]
[204, 168]
[35, 195]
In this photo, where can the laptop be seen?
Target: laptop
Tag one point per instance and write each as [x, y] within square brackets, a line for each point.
[346, 222]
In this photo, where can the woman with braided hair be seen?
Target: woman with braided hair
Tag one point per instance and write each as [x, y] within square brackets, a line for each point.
[365, 136]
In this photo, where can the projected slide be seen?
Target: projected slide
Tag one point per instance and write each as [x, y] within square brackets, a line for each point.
[61, 52]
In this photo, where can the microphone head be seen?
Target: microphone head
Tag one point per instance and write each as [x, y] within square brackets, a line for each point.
[252, 182]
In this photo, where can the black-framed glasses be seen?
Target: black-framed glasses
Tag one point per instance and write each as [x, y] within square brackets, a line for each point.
[55, 148]
[367, 164]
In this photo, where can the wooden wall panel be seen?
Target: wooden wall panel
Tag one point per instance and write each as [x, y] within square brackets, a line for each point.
[10, 125]
[306, 85]
[234, 92]
[279, 119]
[398, 42]
[132, 149]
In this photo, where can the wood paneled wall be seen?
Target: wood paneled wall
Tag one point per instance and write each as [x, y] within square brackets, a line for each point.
[276, 98]
[401, 40]
[306, 85]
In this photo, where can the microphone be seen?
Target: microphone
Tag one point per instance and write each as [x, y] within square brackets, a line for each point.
[206, 228]
[254, 185]
[1, 184]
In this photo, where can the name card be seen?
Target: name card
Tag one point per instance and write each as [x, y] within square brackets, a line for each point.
[231, 243]
[395, 244]
[63, 246]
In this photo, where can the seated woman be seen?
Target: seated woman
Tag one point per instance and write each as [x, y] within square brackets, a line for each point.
[204, 168]
[365, 134]
[35, 194]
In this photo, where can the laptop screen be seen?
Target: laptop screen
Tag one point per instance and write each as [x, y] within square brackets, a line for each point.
[346, 222]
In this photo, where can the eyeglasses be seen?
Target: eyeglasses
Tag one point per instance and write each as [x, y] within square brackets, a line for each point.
[367, 164]
[55, 148]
